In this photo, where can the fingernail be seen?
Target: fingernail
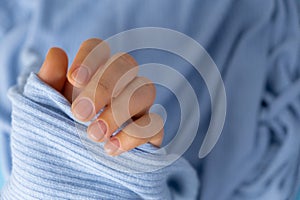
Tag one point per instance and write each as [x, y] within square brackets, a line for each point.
[83, 109]
[97, 130]
[81, 75]
[112, 146]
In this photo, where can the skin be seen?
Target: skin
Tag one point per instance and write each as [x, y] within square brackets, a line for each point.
[108, 82]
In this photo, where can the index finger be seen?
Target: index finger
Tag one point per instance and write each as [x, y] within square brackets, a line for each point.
[92, 54]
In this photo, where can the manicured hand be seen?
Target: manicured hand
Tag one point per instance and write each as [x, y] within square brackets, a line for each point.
[96, 80]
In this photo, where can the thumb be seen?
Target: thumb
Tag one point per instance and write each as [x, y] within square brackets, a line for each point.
[54, 69]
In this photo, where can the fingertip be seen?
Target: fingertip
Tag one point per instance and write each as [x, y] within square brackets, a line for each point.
[113, 147]
[97, 131]
[61, 54]
[54, 69]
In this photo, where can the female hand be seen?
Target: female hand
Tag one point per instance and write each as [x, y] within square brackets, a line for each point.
[96, 80]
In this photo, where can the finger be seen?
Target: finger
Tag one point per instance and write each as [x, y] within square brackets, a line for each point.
[135, 99]
[54, 69]
[107, 82]
[92, 54]
[148, 128]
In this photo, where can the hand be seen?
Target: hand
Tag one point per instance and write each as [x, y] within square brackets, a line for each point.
[98, 81]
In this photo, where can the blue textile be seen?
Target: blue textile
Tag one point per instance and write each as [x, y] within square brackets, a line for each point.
[54, 159]
[255, 45]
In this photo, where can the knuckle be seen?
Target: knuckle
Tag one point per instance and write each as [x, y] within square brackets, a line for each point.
[157, 119]
[129, 59]
[125, 57]
[91, 42]
[95, 44]
[148, 86]
[104, 86]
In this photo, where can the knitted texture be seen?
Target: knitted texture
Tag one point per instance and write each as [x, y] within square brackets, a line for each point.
[54, 159]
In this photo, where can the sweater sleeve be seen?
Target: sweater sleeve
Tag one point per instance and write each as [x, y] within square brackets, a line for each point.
[52, 158]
